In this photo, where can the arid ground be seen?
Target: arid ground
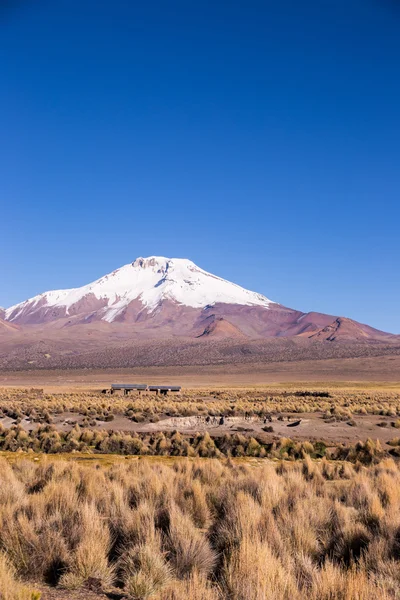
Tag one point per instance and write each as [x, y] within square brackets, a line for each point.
[331, 413]
[382, 369]
[275, 481]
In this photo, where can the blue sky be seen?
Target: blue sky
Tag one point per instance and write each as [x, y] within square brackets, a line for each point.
[260, 139]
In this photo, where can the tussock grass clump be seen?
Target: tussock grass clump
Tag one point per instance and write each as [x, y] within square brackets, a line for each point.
[89, 560]
[189, 549]
[196, 587]
[10, 588]
[144, 572]
[253, 572]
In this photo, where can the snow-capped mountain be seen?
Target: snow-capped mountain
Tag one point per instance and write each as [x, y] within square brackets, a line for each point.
[159, 297]
[148, 282]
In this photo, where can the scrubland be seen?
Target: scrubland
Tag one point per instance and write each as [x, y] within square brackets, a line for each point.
[212, 517]
[201, 529]
[341, 402]
[34, 421]
[84, 440]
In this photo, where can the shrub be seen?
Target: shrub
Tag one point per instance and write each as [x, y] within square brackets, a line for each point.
[90, 558]
[144, 572]
[190, 551]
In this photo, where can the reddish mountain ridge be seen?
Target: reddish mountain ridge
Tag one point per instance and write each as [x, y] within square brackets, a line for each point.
[220, 328]
[157, 297]
[343, 329]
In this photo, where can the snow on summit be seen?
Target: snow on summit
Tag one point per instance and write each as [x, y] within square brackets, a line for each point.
[149, 281]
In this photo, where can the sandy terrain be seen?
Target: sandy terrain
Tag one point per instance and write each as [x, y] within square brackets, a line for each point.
[382, 369]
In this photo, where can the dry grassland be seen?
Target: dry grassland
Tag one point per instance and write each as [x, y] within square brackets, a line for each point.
[161, 527]
[34, 421]
[200, 530]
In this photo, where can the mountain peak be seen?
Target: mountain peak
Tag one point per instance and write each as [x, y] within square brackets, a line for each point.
[161, 264]
[150, 262]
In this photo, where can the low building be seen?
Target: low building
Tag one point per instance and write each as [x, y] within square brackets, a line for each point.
[127, 388]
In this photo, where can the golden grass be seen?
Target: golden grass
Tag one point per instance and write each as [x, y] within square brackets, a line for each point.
[10, 588]
[91, 409]
[332, 400]
[202, 529]
[169, 528]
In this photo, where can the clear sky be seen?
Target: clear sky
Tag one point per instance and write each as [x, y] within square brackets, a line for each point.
[260, 139]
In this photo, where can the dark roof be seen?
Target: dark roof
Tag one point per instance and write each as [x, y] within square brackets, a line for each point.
[129, 386]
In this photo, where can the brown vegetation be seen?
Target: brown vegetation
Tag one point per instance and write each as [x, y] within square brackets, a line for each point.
[30, 421]
[48, 440]
[199, 530]
[341, 404]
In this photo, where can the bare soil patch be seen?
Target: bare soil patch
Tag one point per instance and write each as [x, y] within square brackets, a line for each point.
[52, 593]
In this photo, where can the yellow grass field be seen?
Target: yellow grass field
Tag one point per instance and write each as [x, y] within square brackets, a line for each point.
[194, 529]
[295, 495]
